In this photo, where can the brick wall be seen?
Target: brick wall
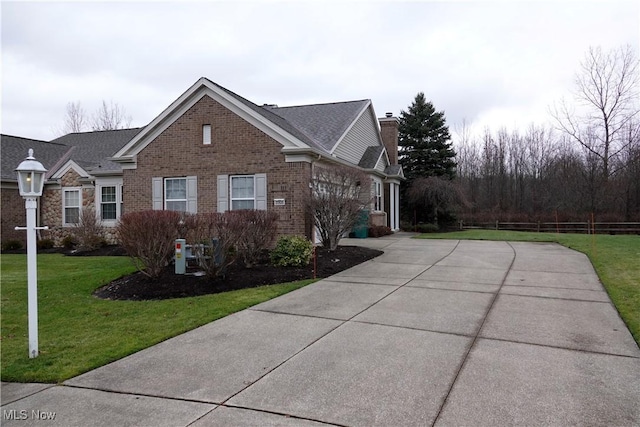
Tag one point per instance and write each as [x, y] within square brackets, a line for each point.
[237, 148]
[13, 214]
[389, 134]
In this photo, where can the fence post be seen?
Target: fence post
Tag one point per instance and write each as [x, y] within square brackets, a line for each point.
[497, 228]
[461, 225]
[538, 226]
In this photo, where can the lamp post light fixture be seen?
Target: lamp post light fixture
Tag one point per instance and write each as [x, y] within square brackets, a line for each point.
[30, 184]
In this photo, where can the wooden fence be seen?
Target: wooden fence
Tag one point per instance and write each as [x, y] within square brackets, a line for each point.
[586, 227]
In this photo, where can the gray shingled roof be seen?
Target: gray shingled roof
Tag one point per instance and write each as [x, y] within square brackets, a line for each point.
[269, 115]
[393, 170]
[317, 125]
[14, 150]
[90, 150]
[324, 124]
[371, 156]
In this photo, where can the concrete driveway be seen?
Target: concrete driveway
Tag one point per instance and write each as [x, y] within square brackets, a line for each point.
[433, 332]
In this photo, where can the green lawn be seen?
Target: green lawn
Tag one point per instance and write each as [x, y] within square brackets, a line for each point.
[78, 332]
[615, 258]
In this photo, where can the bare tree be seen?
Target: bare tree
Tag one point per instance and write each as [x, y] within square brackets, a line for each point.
[75, 119]
[436, 194]
[337, 196]
[606, 89]
[110, 117]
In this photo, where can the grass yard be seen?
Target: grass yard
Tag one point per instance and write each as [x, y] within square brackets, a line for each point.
[78, 332]
[616, 259]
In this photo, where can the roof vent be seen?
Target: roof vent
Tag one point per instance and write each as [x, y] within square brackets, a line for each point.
[389, 114]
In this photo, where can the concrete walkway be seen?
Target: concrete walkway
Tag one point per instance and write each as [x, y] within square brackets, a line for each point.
[433, 332]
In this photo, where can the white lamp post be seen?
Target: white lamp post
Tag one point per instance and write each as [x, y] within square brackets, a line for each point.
[30, 184]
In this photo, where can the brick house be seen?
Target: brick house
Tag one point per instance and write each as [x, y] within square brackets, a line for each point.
[212, 150]
[78, 171]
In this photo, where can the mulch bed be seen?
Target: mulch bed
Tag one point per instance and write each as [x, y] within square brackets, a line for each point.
[170, 285]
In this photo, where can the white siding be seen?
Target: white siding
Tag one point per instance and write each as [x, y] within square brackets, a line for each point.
[363, 134]
[382, 163]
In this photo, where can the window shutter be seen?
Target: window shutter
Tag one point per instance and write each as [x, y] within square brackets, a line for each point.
[157, 194]
[223, 193]
[261, 191]
[192, 194]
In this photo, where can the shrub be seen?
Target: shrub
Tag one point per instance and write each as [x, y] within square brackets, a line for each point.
[427, 228]
[292, 251]
[148, 237]
[335, 201]
[260, 229]
[228, 228]
[88, 231]
[11, 245]
[379, 231]
[69, 242]
[45, 244]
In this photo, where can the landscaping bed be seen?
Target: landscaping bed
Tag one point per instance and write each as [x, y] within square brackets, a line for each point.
[138, 287]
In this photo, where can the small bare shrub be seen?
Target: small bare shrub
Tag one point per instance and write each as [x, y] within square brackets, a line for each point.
[148, 237]
[228, 228]
[260, 229]
[336, 198]
[88, 231]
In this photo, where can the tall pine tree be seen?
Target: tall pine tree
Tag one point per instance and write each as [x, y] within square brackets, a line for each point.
[425, 150]
[425, 142]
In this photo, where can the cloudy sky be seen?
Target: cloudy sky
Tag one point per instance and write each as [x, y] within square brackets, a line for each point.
[490, 63]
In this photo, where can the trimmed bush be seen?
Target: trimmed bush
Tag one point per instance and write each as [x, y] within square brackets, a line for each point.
[148, 237]
[12, 245]
[45, 244]
[260, 229]
[69, 242]
[292, 251]
[427, 228]
[379, 231]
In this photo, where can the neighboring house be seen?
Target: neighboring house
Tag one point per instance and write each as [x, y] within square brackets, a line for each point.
[212, 150]
[79, 176]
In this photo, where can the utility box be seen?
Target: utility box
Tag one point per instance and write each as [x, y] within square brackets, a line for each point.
[180, 256]
[361, 228]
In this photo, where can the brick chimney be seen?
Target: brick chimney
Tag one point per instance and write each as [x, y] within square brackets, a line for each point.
[389, 133]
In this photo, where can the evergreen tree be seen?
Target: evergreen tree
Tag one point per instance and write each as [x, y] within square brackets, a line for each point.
[425, 142]
[425, 151]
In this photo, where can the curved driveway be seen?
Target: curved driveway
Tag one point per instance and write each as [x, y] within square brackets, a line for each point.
[433, 332]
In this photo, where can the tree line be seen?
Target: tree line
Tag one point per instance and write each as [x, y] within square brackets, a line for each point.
[586, 163]
[541, 175]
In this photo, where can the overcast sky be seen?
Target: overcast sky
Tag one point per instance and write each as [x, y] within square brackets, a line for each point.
[490, 63]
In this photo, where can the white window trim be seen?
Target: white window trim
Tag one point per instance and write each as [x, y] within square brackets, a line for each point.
[206, 134]
[118, 202]
[167, 200]
[377, 196]
[64, 205]
[232, 199]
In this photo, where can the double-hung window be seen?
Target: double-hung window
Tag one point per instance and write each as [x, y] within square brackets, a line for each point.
[108, 203]
[377, 197]
[175, 194]
[243, 194]
[71, 202]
